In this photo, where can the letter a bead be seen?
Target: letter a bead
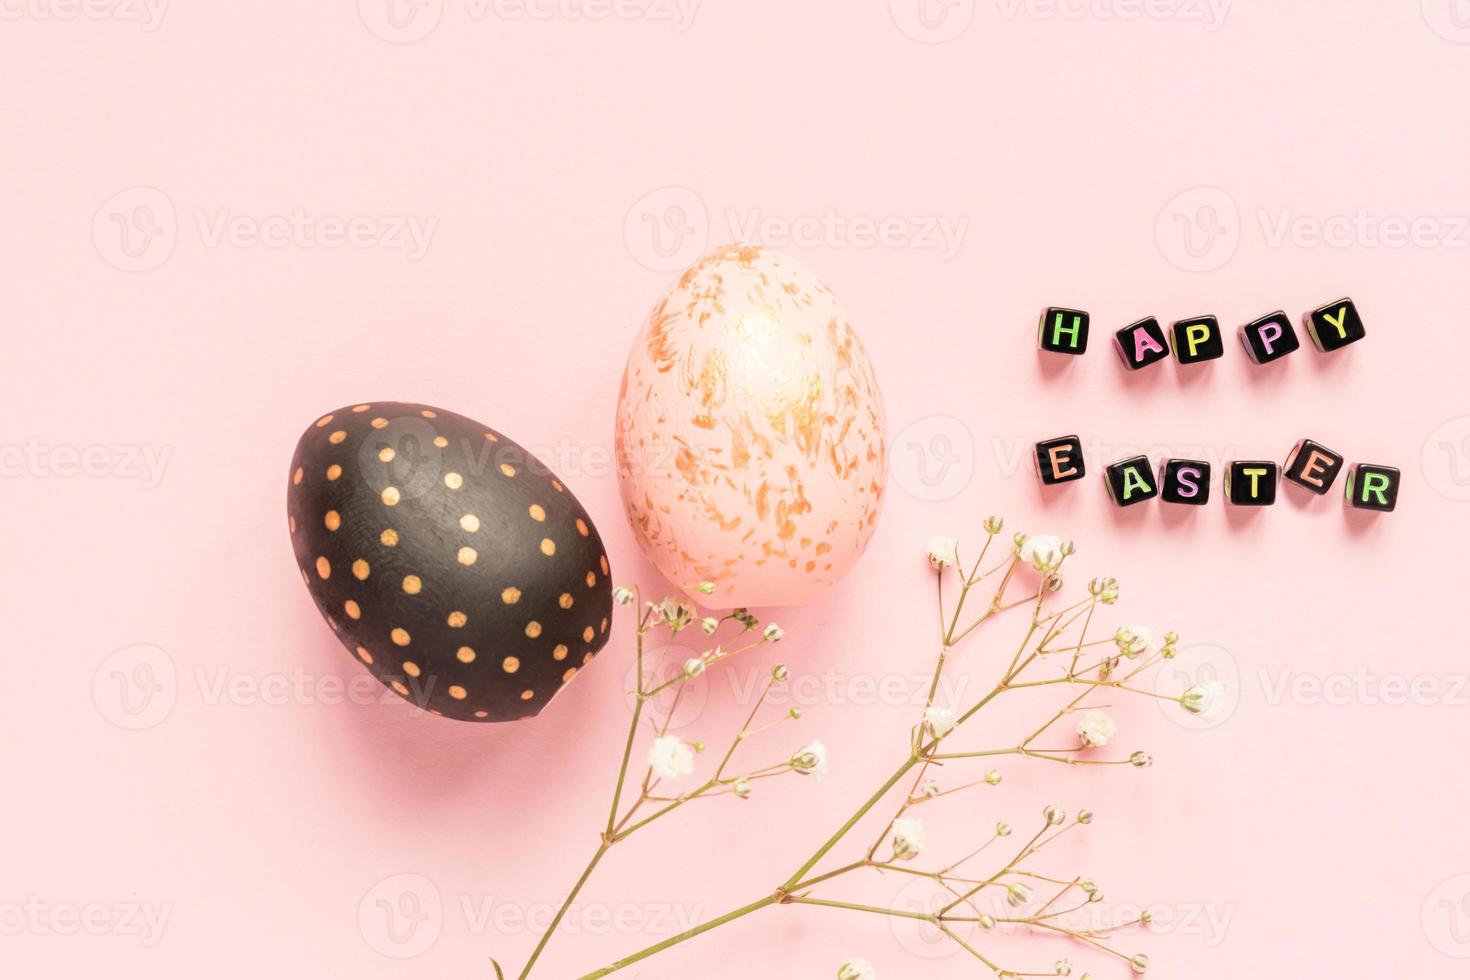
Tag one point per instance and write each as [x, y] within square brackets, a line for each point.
[1373, 487]
[1060, 460]
[1334, 325]
[1251, 483]
[1269, 338]
[1131, 481]
[1141, 344]
[1313, 465]
[1064, 331]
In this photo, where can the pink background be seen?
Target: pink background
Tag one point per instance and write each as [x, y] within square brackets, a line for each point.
[1131, 160]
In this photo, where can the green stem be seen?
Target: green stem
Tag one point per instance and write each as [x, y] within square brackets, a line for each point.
[675, 940]
[561, 912]
[852, 821]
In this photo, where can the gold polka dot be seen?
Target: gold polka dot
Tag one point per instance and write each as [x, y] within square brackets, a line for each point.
[389, 538]
[470, 523]
[586, 656]
[296, 477]
[582, 527]
[602, 627]
[441, 442]
[511, 596]
[510, 665]
[412, 584]
[556, 485]
[333, 520]
[291, 523]
[482, 714]
[361, 569]
[560, 652]
[337, 437]
[564, 600]
[466, 655]
[333, 471]
[387, 454]
[603, 563]
[354, 611]
[323, 421]
[533, 629]
[507, 469]
[362, 652]
[323, 567]
[591, 579]
[457, 692]
[380, 423]
[332, 623]
[588, 634]
[453, 481]
[305, 577]
[468, 555]
[428, 414]
[400, 636]
[538, 513]
[570, 673]
[391, 496]
[548, 547]
[527, 695]
[361, 408]
[411, 669]
[457, 619]
[492, 437]
[398, 686]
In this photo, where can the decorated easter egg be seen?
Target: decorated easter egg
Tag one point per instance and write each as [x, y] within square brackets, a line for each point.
[458, 569]
[750, 432]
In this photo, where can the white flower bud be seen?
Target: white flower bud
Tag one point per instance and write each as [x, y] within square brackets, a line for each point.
[993, 777]
[1054, 815]
[1002, 830]
[623, 595]
[856, 969]
[780, 673]
[709, 624]
[1017, 895]
[1139, 963]
[1141, 760]
[693, 667]
[773, 633]
[705, 588]
[908, 838]
[741, 788]
[811, 760]
[942, 552]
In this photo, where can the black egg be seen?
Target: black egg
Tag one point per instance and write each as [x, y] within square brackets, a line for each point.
[447, 558]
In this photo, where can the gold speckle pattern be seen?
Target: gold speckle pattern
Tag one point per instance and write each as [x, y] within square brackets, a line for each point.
[750, 372]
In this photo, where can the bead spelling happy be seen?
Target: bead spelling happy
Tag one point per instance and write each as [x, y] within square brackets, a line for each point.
[462, 573]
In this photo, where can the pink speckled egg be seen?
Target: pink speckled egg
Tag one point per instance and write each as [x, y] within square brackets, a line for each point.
[750, 432]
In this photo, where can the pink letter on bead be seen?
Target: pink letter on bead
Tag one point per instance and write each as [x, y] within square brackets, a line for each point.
[1142, 342]
[1270, 333]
